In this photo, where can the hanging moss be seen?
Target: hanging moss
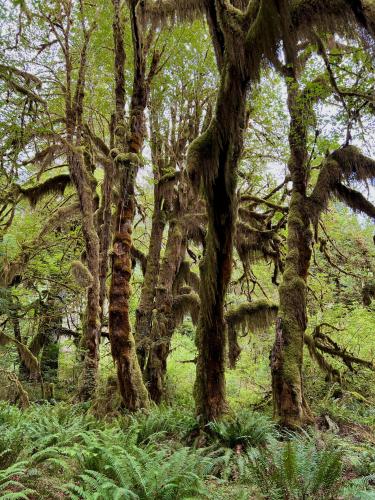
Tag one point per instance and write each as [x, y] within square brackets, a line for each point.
[250, 316]
[186, 303]
[368, 293]
[19, 395]
[354, 199]
[172, 11]
[81, 274]
[332, 373]
[28, 358]
[54, 185]
[185, 275]
[200, 148]
[347, 164]
[253, 316]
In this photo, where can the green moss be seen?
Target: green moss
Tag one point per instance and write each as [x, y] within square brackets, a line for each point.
[124, 158]
[199, 151]
[114, 152]
[168, 177]
[120, 131]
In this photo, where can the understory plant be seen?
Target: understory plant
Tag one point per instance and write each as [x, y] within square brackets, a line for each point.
[233, 437]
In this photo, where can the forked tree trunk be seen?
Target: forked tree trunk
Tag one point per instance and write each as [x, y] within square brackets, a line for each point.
[173, 199]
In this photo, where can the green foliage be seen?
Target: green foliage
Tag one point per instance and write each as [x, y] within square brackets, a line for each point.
[142, 456]
[11, 486]
[233, 437]
[246, 429]
[161, 422]
[296, 469]
[140, 473]
[61, 425]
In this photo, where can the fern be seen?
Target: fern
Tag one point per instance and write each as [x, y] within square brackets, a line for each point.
[140, 473]
[296, 470]
[233, 437]
[11, 435]
[10, 485]
[246, 429]
[161, 422]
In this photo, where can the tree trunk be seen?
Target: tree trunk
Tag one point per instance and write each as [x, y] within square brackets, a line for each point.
[133, 391]
[105, 234]
[290, 407]
[163, 323]
[148, 292]
[216, 154]
[24, 373]
[49, 363]
[91, 331]
[85, 185]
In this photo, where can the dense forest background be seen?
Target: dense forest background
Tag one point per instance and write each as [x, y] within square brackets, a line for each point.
[187, 249]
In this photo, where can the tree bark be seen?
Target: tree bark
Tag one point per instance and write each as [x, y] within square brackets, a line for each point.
[133, 391]
[163, 322]
[85, 185]
[148, 292]
[216, 154]
[290, 407]
[105, 231]
[91, 330]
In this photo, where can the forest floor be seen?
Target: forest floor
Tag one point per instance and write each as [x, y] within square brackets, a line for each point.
[66, 450]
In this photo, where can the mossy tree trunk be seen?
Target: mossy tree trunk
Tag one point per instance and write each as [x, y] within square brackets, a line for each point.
[159, 218]
[133, 391]
[24, 372]
[290, 407]
[49, 362]
[105, 231]
[91, 330]
[163, 323]
[82, 178]
[168, 149]
[216, 153]
[148, 292]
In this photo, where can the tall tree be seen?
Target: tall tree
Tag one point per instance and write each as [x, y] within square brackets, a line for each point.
[126, 155]
[345, 163]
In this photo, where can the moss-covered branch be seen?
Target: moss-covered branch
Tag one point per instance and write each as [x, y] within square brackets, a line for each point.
[54, 185]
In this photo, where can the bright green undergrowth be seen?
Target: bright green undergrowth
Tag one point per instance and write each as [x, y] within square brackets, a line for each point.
[63, 451]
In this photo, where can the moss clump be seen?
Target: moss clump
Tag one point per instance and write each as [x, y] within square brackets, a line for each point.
[81, 274]
[120, 131]
[169, 177]
[128, 158]
[186, 303]
[114, 152]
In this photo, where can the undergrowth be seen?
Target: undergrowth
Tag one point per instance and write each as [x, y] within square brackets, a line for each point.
[61, 451]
